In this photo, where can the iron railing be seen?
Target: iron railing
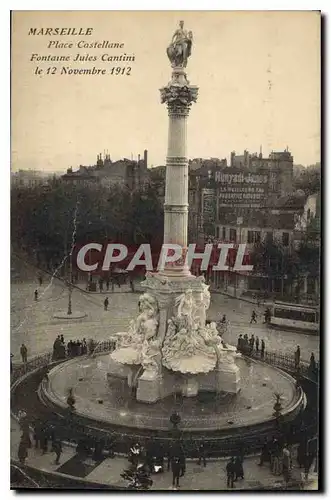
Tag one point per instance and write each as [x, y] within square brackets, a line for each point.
[288, 363]
[18, 370]
[274, 358]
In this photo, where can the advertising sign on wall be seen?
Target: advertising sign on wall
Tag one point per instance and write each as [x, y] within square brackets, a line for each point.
[245, 190]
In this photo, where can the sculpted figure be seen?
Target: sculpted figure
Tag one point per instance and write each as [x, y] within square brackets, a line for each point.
[151, 357]
[202, 306]
[186, 310]
[180, 47]
[145, 326]
[185, 304]
[206, 296]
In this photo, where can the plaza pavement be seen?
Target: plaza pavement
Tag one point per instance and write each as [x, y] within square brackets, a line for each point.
[197, 477]
[33, 323]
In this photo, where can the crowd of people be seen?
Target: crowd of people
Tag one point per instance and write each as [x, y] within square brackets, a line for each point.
[234, 470]
[73, 348]
[247, 345]
[43, 434]
[278, 456]
[109, 283]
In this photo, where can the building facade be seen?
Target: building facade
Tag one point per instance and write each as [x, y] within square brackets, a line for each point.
[132, 174]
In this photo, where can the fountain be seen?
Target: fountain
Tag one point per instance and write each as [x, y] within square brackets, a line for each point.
[170, 339]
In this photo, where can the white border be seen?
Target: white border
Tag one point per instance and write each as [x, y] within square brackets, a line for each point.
[5, 157]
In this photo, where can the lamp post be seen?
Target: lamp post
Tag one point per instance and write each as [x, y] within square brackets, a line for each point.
[70, 288]
[239, 224]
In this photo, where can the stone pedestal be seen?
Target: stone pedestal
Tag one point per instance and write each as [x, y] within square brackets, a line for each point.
[149, 390]
[152, 388]
[190, 386]
[118, 370]
[227, 379]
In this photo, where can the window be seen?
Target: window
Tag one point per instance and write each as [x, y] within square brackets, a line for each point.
[285, 239]
[269, 237]
[257, 236]
[309, 317]
[224, 233]
[253, 236]
[217, 232]
[233, 234]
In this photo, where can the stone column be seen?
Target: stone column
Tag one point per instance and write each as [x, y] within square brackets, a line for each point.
[178, 95]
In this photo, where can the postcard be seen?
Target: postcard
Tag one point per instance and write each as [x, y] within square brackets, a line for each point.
[165, 250]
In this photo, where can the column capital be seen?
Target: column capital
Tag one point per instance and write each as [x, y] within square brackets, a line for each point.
[179, 98]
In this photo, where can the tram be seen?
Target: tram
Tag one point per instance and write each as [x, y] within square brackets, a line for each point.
[295, 316]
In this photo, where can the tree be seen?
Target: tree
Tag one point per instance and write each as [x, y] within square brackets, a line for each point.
[43, 221]
[309, 179]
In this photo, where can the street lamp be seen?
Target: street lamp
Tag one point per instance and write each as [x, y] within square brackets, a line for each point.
[240, 221]
[70, 287]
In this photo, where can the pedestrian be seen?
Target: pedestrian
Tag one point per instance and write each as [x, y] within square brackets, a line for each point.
[11, 362]
[301, 452]
[24, 353]
[297, 357]
[223, 320]
[238, 468]
[106, 303]
[202, 454]
[24, 424]
[275, 457]
[253, 317]
[57, 449]
[101, 285]
[182, 463]
[36, 295]
[267, 315]
[257, 344]
[131, 285]
[175, 468]
[230, 473]
[84, 346]
[44, 439]
[262, 348]
[311, 455]
[312, 365]
[239, 343]
[37, 428]
[98, 450]
[265, 453]
[251, 344]
[22, 452]
[107, 284]
[245, 344]
[287, 464]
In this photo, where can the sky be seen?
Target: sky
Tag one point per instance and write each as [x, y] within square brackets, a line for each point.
[258, 75]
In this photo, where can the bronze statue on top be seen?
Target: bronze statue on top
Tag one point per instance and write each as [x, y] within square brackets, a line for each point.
[180, 48]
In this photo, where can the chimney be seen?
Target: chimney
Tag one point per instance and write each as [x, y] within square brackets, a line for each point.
[145, 158]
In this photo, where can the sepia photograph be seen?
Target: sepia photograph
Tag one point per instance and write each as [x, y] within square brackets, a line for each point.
[165, 250]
